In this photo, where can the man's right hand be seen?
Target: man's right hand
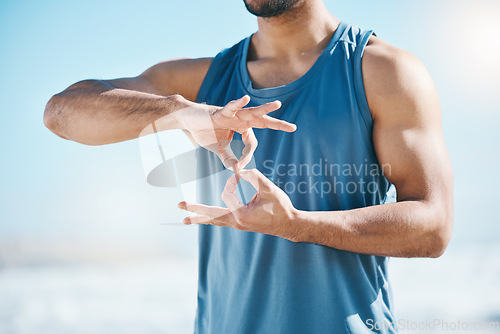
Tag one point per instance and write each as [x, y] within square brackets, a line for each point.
[213, 127]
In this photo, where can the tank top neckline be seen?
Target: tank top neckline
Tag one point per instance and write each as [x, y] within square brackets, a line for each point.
[287, 88]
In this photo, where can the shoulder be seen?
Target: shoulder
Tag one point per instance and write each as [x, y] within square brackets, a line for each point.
[394, 79]
[185, 76]
[180, 65]
[178, 76]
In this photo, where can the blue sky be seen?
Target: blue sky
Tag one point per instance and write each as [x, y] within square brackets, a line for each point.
[53, 189]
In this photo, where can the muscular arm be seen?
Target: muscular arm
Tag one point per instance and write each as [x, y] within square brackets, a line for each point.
[96, 112]
[407, 136]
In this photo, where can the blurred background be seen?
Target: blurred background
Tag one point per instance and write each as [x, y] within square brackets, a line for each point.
[85, 242]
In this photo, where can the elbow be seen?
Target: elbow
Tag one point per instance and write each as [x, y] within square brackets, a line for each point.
[58, 108]
[433, 234]
[439, 237]
[438, 244]
[51, 115]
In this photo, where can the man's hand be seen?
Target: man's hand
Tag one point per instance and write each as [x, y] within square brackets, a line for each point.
[213, 127]
[270, 211]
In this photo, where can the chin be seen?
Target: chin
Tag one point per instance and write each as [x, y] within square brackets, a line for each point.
[270, 8]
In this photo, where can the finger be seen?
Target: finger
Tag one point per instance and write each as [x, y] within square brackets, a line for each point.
[278, 124]
[229, 196]
[250, 141]
[258, 180]
[227, 157]
[205, 210]
[200, 220]
[237, 175]
[259, 111]
[227, 220]
[267, 122]
[232, 107]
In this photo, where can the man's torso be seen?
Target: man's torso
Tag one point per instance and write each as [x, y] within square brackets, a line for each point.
[255, 283]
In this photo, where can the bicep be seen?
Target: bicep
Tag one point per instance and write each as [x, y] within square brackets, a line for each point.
[414, 159]
[178, 76]
[407, 132]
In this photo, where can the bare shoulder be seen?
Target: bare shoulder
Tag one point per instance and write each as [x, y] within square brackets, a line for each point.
[397, 84]
[178, 76]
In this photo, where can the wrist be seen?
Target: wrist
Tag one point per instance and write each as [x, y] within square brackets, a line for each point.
[191, 116]
[180, 111]
[295, 225]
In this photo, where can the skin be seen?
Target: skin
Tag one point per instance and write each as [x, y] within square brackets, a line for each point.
[97, 112]
[407, 135]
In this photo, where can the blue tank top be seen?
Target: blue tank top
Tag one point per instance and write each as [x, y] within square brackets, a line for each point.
[255, 283]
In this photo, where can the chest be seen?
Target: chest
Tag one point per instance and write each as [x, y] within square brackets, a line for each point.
[267, 73]
[328, 125]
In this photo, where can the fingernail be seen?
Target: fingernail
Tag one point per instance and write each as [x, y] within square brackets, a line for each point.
[187, 221]
[182, 205]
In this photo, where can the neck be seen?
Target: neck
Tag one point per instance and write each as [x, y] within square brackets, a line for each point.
[306, 27]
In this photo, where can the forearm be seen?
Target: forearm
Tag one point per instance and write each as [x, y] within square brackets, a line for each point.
[403, 229]
[95, 112]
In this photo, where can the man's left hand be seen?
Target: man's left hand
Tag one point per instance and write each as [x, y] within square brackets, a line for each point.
[269, 212]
